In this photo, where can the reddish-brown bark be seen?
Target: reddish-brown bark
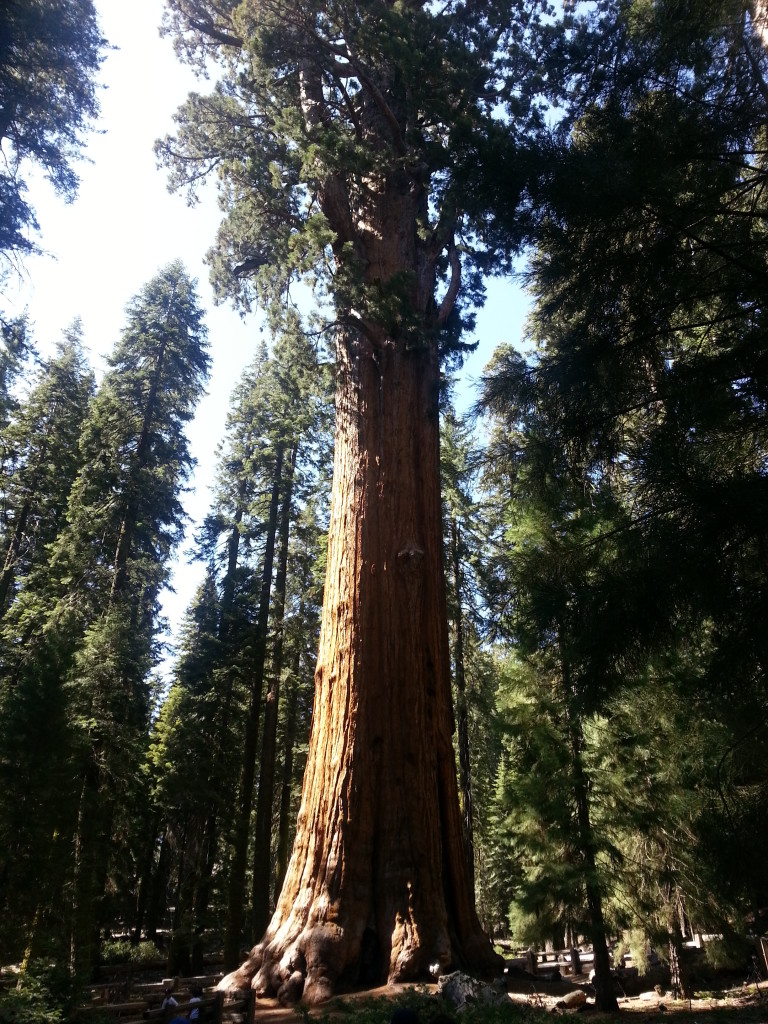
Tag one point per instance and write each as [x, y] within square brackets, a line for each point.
[379, 843]
[377, 887]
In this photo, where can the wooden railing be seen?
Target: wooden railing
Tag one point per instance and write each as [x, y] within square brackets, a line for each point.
[144, 1004]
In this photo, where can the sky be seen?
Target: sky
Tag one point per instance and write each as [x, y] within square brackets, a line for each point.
[124, 226]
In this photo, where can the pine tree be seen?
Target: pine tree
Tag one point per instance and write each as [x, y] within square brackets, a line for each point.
[466, 541]
[650, 328]
[15, 347]
[301, 381]
[558, 565]
[188, 764]
[286, 403]
[219, 684]
[83, 641]
[41, 446]
[648, 299]
[49, 56]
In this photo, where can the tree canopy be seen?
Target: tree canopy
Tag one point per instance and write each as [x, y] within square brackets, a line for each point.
[50, 53]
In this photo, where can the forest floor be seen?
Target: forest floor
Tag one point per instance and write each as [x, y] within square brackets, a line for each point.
[727, 1006]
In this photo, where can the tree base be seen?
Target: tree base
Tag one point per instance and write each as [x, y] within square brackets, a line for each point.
[319, 964]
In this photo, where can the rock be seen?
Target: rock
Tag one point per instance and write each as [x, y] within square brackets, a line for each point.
[572, 1000]
[460, 989]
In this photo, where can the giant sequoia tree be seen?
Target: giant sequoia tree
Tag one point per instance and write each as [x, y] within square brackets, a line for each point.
[351, 140]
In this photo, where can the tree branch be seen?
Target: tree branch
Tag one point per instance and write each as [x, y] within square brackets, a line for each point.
[449, 299]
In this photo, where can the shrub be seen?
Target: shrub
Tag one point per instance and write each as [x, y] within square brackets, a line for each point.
[118, 951]
[44, 994]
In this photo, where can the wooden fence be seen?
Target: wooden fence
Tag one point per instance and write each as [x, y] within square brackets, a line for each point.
[143, 1003]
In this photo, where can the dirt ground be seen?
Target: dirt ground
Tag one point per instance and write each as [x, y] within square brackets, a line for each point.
[732, 1006]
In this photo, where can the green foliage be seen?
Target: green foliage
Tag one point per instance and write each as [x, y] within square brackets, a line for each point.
[635, 943]
[429, 1007]
[79, 638]
[730, 952]
[49, 57]
[322, 106]
[196, 751]
[42, 458]
[629, 456]
[117, 951]
[15, 347]
[45, 993]
[614, 743]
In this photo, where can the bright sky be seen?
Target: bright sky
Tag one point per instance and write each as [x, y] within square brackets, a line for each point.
[124, 226]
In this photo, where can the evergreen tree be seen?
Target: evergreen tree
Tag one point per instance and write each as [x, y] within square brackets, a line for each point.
[308, 548]
[50, 53]
[648, 311]
[41, 446]
[188, 763]
[466, 539]
[15, 347]
[647, 382]
[82, 642]
[360, 149]
[304, 387]
[265, 460]
[286, 405]
[649, 320]
[558, 568]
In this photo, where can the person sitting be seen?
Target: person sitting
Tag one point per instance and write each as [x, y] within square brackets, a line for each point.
[197, 997]
[169, 1001]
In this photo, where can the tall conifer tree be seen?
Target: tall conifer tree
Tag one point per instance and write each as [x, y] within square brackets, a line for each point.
[82, 642]
[360, 146]
[50, 53]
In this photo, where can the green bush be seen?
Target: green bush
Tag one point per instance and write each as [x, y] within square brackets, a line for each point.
[731, 952]
[121, 951]
[45, 994]
[430, 1009]
[28, 1006]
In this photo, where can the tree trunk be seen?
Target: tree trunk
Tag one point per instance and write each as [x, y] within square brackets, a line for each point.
[214, 813]
[679, 974]
[236, 896]
[6, 578]
[679, 967]
[465, 772]
[157, 900]
[378, 886]
[180, 945]
[144, 880]
[90, 850]
[284, 827]
[605, 996]
[263, 829]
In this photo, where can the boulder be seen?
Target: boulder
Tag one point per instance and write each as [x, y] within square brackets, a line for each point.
[460, 989]
[572, 1000]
